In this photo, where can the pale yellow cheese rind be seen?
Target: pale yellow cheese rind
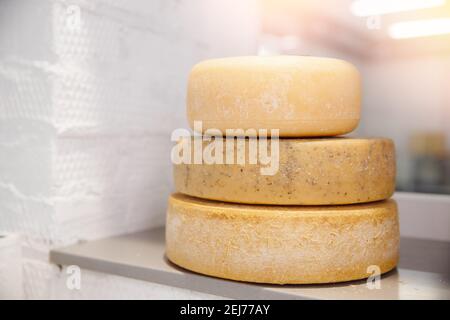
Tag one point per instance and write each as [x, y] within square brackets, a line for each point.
[311, 172]
[282, 245]
[300, 96]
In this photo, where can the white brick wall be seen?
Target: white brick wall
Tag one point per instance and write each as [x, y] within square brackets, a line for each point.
[86, 109]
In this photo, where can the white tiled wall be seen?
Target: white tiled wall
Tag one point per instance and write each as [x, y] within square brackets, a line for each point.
[89, 94]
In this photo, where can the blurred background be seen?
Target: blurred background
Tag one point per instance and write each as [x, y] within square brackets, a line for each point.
[90, 91]
[402, 48]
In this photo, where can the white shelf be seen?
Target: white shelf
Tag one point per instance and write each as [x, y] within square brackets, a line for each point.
[423, 272]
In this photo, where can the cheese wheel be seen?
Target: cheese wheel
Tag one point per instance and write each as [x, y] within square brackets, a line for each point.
[310, 172]
[300, 96]
[279, 244]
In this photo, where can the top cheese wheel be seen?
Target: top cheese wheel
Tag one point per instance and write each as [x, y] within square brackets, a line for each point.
[300, 96]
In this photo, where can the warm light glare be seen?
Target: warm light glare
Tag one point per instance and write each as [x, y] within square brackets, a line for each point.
[420, 28]
[364, 8]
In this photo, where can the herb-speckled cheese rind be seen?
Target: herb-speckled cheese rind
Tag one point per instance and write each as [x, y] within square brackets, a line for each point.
[300, 96]
[282, 244]
[311, 172]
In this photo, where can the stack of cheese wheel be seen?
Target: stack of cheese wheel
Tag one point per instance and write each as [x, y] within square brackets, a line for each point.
[323, 217]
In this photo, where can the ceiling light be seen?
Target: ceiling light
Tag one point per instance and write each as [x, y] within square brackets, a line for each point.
[419, 28]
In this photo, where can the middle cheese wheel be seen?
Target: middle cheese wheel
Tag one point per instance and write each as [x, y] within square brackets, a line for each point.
[300, 96]
[310, 172]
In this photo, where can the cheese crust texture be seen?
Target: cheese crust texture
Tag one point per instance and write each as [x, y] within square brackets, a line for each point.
[282, 244]
[300, 96]
[311, 172]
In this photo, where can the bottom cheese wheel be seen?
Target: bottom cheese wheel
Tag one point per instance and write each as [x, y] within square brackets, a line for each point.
[282, 244]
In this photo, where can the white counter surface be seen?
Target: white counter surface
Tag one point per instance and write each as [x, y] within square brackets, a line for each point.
[423, 271]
